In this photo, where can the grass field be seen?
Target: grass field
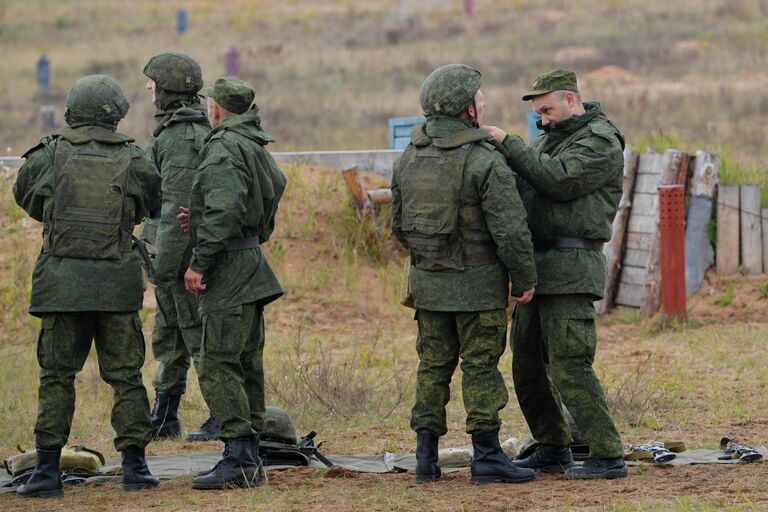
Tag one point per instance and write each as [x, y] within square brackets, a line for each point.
[340, 354]
[340, 359]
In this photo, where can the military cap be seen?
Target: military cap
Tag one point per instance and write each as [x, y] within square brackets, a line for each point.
[555, 80]
[233, 95]
[449, 89]
[175, 72]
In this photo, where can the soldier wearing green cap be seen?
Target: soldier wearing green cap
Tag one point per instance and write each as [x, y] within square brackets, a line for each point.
[457, 211]
[89, 186]
[571, 183]
[232, 212]
[175, 147]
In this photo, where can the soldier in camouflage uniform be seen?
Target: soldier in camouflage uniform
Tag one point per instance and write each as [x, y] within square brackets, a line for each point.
[457, 211]
[232, 211]
[175, 146]
[89, 186]
[571, 183]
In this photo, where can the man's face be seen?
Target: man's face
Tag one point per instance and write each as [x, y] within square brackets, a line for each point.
[553, 108]
[479, 107]
[151, 87]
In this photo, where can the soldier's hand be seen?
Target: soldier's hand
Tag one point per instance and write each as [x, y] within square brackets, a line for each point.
[183, 218]
[525, 297]
[193, 282]
[497, 133]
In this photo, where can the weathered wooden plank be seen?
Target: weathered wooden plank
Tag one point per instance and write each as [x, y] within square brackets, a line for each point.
[646, 203]
[699, 253]
[632, 275]
[614, 249]
[630, 295]
[650, 163]
[636, 257]
[727, 251]
[674, 172]
[645, 224]
[751, 233]
[639, 241]
[647, 183]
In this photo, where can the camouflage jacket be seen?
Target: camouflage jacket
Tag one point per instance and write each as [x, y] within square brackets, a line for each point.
[234, 196]
[175, 149]
[490, 183]
[69, 284]
[571, 187]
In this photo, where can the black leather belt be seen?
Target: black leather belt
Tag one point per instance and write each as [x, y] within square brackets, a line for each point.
[240, 244]
[567, 243]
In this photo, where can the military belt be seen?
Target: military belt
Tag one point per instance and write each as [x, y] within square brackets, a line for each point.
[567, 243]
[240, 244]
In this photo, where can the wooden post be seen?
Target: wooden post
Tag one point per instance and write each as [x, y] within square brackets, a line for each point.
[765, 239]
[674, 172]
[727, 252]
[379, 196]
[672, 249]
[360, 199]
[699, 254]
[614, 249]
[751, 236]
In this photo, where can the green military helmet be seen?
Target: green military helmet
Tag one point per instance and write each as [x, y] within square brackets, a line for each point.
[95, 98]
[278, 426]
[449, 90]
[175, 72]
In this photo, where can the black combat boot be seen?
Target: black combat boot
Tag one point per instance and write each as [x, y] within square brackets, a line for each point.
[45, 481]
[254, 452]
[209, 431]
[136, 475]
[165, 420]
[237, 467]
[490, 464]
[427, 469]
[597, 469]
[548, 458]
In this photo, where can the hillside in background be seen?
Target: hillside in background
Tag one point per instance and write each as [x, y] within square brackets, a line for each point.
[329, 74]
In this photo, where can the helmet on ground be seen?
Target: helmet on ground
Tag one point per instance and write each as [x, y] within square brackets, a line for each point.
[278, 426]
[175, 72]
[449, 90]
[95, 98]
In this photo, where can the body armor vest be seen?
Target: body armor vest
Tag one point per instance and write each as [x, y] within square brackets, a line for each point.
[90, 217]
[443, 234]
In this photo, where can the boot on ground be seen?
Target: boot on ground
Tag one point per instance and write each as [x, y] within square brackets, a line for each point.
[208, 431]
[427, 468]
[237, 467]
[45, 481]
[165, 419]
[136, 475]
[490, 464]
[598, 469]
[548, 459]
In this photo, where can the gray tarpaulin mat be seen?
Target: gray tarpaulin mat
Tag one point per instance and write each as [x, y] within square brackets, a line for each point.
[699, 255]
[175, 466]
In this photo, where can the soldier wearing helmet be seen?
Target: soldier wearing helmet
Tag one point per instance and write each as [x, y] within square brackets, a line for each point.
[180, 130]
[89, 185]
[457, 212]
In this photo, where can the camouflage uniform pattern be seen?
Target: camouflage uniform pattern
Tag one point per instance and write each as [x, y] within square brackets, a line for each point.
[78, 299]
[571, 186]
[461, 314]
[177, 334]
[62, 348]
[234, 196]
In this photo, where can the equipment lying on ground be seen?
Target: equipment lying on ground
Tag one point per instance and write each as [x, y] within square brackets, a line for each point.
[737, 451]
[77, 464]
[656, 451]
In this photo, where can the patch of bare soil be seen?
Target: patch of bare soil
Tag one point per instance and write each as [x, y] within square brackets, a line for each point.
[727, 299]
[613, 75]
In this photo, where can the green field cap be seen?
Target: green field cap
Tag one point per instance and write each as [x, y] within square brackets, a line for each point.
[555, 80]
[233, 95]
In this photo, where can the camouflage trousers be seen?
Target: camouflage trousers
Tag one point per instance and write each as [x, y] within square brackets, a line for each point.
[553, 348]
[478, 339]
[176, 335]
[232, 369]
[62, 348]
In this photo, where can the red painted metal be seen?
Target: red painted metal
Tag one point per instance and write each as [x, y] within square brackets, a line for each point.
[672, 249]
